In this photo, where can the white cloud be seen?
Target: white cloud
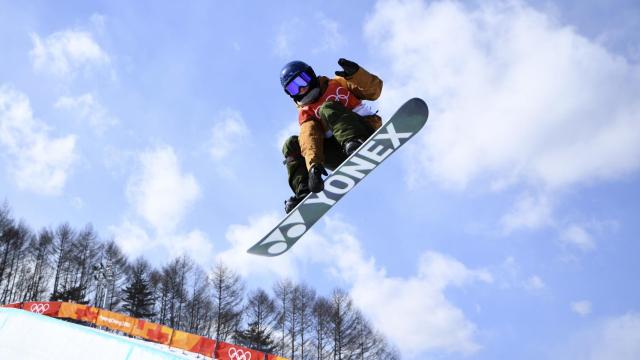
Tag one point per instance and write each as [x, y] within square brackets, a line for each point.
[614, 338]
[132, 238]
[515, 96]
[582, 307]
[87, 108]
[77, 202]
[67, 52]
[577, 236]
[242, 237]
[98, 22]
[332, 38]
[284, 38]
[195, 243]
[422, 319]
[534, 283]
[529, 212]
[161, 194]
[38, 161]
[414, 311]
[509, 275]
[292, 129]
[159, 191]
[135, 240]
[229, 133]
[327, 35]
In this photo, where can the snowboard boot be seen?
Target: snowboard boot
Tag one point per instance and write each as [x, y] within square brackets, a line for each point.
[316, 184]
[350, 146]
[293, 201]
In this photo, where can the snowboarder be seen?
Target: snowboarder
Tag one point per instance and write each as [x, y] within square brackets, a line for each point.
[333, 120]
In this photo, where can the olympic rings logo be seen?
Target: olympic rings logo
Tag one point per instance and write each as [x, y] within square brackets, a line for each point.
[341, 96]
[39, 308]
[238, 354]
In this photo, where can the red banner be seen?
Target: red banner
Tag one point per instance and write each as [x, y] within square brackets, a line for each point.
[44, 308]
[13, 306]
[234, 352]
[274, 357]
[193, 343]
[151, 331]
[205, 346]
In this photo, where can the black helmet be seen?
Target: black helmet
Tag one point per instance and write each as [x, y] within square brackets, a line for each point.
[299, 71]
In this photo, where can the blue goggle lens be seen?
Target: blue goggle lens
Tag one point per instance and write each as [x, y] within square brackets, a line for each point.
[298, 82]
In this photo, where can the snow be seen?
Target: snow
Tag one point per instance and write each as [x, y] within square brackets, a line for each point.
[25, 336]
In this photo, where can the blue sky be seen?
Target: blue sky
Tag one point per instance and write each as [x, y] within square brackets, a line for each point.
[507, 229]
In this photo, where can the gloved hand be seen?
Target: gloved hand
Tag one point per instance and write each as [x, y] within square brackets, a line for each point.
[316, 184]
[350, 68]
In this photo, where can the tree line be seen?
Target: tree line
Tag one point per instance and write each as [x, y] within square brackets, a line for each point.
[289, 319]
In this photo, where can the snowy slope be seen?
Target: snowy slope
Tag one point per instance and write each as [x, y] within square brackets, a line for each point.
[25, 336]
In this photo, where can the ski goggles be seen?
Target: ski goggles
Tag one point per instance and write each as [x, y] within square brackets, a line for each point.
[301, 80]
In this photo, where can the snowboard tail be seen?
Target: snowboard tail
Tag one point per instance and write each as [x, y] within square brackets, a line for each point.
[401, 127]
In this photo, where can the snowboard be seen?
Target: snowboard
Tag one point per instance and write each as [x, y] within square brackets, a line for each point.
[394, 133]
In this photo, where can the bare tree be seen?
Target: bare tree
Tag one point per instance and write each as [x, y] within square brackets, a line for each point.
[228, 290]
[283, 291]
[322, 334]
[6, 221]
[39, 254]
[382, 349]
[159, 294]
[174, 291]
[115, 271]
[260, 312]
[343, 319]
[63, 241]
[305, 297]
[84, 255]
[15, 269]
[292, 320]
[8, 233]
[199, 306]
[365, 344]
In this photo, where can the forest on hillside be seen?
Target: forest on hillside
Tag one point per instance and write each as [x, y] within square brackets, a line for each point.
[290, 319]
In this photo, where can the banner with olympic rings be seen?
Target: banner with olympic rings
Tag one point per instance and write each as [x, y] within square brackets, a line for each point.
[43, 308]
[228, 351]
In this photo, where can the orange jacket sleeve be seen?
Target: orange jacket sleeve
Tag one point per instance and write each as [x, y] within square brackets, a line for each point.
[363, 84]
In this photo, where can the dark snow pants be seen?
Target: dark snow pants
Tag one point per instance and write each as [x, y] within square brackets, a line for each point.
[345, 125]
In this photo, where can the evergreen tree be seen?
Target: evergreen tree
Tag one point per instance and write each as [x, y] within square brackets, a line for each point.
[139, 299]
[74, 294]
[256, 338]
